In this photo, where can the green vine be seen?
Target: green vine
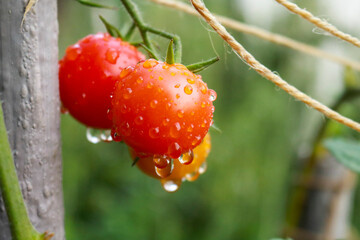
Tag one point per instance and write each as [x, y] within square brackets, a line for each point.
[20, 225]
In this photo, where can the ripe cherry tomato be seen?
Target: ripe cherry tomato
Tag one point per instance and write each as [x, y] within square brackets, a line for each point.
[161, 109]
[180, 171]
[87, 76]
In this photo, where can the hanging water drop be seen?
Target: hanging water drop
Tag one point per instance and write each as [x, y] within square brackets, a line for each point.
[170, 186]
[203, 167]
[106, 136]
[187, 158]
[192, 176]
[93, 135]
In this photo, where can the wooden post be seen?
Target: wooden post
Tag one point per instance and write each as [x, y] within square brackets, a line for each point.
[29, 93]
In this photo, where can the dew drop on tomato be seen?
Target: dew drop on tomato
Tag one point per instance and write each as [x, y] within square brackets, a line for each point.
[188, 89]
[175, 130]
[160, 161]
[139, 120]
[213, 95]
[154, 132]
[72, 53]
[111, 55]
[187, 158]
[174, 150]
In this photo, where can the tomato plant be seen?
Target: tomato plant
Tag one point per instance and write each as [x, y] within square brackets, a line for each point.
[87, 75]
[161, 108]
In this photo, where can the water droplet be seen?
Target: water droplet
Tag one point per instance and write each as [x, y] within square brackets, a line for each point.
[93, 135]
[111, 55]
[196, 140]
[154, 132]
[168, 106]
[165, 171]
[175, 130]
[139, 120]
[190, 80]
[203, 89]
[106, 136]
[177, 86]
[126, 71]
[166, 66]
[190, 128]
[160, 89]
[166, 121]
[192, 176]
[170, 186]
[180, 113]
[172, 74]
[124, 109]
[73, 52]
[161, 161]
[212, 109]
[150, 85]
[203, 168]
[109, 114]
[139, 80]
[213, 95]
[188, 89]
[160, 78]
[153, 103]
[127, 93]
[174, 150]
[192, 113]
[150, 63]
[203, 104]
[125, 129]
[187, 158]
[204, 123]
[177, 96]
[115, 136]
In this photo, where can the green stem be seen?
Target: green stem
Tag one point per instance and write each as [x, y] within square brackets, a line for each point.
[20, 225]
[131, 8]
[170, 53]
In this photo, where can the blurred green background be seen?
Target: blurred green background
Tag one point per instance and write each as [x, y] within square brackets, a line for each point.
[251, 168]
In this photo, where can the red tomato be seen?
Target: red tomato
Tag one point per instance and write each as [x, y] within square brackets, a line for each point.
[161, 109]
[87, 76]
[180, 172]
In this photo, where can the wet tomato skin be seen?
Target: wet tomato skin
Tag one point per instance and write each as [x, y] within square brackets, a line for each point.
[159, 108]
[180, 171]
[87, 75]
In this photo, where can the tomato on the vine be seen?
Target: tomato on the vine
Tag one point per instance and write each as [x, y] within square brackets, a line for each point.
[88, 73]
[180, 171]
[161, 109]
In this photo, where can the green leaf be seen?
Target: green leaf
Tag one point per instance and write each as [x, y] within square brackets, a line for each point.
[345, 151]
[197, 67]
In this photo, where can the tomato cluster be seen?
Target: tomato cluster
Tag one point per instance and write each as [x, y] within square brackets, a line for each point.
[161, 111]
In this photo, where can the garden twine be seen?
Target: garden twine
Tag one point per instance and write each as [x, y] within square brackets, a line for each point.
[267, 73]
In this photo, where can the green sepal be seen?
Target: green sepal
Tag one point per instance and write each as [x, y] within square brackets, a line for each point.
[197, 67]
[170, 58]
[96, 5]
[112, 30]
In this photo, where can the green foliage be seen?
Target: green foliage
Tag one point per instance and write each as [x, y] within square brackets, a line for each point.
[347, 152]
